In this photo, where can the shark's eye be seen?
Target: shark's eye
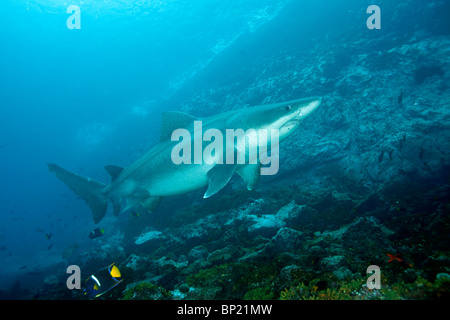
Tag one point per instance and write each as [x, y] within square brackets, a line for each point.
[288, 108]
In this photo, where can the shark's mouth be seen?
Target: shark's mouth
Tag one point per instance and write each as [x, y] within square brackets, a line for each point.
[291, 124]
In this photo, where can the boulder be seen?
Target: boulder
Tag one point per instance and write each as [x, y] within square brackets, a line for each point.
[267, 225]
[149, 236]
[286, 240]
[222, 255]
[138, 263]
[197, 253]
[333, 263]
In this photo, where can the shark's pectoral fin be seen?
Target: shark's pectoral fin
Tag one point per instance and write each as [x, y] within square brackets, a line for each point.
[151, 203]
[250, 173]
[173, 120]
[218, 178]
[136, 199]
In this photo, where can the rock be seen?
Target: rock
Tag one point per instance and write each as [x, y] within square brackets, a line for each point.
[409, 275]
[333, 263]
[149, 236]
[443, 276]
[184, 288]
[145, 290]
[178, 295]
[301, 215]
[267, 225]
[286, 240]
[168, 280]
[343, 273]
[51, 280]
[444, 260]
[182, 259]
[316, 251]
[197, 253]
[194, 234]
[222, 255]
[286, 274]
[163, 264]
[288, 211]
[138, 263]
[150, 240]
[209, 293]
[365, 237]
[253, 256]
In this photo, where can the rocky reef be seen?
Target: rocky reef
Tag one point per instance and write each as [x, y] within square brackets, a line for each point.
[264, 251]
[290, 245]
[367, 176]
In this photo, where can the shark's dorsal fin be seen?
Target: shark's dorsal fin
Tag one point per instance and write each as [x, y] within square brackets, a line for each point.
[250, 173]
[172, 120]
[218, 178]
[114, 171]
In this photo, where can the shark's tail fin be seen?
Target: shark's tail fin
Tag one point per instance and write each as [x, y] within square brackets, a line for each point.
[88, 189]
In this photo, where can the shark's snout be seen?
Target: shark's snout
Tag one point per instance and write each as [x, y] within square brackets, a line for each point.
[309, 108]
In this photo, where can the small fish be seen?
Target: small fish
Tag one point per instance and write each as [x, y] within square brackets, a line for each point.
[48, 235]
[102, 281]
[96, 233]
[135, 213]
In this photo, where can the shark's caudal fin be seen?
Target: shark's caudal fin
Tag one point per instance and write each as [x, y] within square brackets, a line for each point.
[88, 189]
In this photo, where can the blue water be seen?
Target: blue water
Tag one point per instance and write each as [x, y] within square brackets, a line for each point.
[90, 97]
[86, 97]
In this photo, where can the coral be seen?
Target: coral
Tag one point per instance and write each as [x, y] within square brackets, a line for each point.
[237, 280]
[421, 289]
[312, 291]
[146, 291]
[259, 294]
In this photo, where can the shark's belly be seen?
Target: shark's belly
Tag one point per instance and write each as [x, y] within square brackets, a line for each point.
[178, 179]
[185, 179]
[155, 174]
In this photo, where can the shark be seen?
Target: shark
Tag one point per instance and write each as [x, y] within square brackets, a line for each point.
[166, 169]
